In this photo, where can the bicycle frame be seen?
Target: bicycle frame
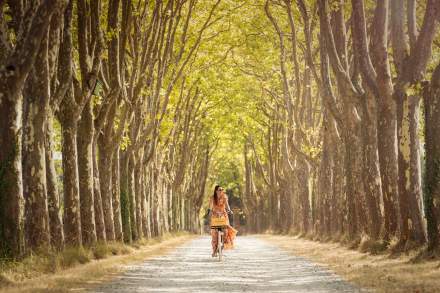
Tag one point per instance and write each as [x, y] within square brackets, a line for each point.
[220, 241]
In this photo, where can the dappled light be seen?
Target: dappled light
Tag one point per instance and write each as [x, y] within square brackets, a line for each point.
[313, 119]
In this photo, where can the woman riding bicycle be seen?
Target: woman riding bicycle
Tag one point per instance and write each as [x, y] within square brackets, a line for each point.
[219, 206]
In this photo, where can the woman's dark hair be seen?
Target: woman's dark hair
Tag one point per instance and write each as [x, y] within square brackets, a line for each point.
[217, 187]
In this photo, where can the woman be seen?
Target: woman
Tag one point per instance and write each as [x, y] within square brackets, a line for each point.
[219, 206]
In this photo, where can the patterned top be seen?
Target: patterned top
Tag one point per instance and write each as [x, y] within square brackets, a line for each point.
[219, 209]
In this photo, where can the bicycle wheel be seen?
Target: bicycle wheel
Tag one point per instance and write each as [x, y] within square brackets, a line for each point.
[220, 245]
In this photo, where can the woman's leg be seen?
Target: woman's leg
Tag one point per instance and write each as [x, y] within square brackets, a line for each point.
[214, 237]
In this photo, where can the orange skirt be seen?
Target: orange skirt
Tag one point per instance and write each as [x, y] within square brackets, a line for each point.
[230, 234]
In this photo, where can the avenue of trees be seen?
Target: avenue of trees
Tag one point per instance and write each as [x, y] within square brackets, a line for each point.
[350, 124]
[109, 77]
[327, 110]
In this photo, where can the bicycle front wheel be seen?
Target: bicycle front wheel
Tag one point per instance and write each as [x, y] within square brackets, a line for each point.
[220, 245]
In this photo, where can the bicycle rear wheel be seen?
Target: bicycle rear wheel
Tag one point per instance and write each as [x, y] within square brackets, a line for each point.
[220, 245]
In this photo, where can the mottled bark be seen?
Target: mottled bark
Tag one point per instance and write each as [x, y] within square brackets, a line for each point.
[144, 203]
[386, 117]
[34, 161]
[99, 212]
[116, 188]
[72, 217]
[138, 194]
[11, 187]
[13, 74]
[415, 198]
[338, 208]
[431, 188]
[85, 170]
[353, 184]
[387, 142]
[370, 170]
[125, 202]
[132, 195]
[404, 156]
[410, 70]
[325, 190]
[105, 181]
[53, 197]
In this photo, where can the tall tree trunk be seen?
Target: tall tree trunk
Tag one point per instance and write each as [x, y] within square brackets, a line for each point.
[72, 218]
[138, 193]
[99, 212]
[55, 223]
[303, 193]
[11, 184]
[144, 204]
[352, 192]
[325, 173]
[371, 173]
[105, 181]
[431, 199]
[116, 188]
[85, 170]
[34, 161]
[125, 201]
[13, 73]
[404, 156]
[132, 195]
[387, 142]
[415, 198]
[338, 182]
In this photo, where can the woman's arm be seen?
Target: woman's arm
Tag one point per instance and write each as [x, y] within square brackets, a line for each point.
[228, 208]
[210, 206]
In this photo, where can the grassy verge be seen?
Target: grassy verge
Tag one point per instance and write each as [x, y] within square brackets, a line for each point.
[381, 273]
[80, 268]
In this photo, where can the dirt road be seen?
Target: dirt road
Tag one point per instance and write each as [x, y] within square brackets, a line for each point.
[253, 266]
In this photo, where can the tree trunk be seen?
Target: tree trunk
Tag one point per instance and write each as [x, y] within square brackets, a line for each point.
[371, 173]
[125, 201]
[431, 199]
[325, 175]
[72, 218]
[415, 198]
[387, 142]
[99, 212]
[34, 161]
[352, 192]
[144, 204]
[303, 193]
[85, 170]
[132, 195]
[116, 188]
[138, 194]
[55, 223]
[404, 156]
[105, 181]
[12, 78]
[338, 209]
[11, 184]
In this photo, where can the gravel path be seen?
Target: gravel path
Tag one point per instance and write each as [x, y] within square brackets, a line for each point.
[253, 266]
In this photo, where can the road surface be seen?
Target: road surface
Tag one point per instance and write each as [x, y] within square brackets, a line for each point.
[253, 266]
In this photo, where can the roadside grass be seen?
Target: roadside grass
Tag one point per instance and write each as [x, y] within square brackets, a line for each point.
[370, 264]
[51, 271]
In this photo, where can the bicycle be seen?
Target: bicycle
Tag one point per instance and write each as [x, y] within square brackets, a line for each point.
[220, 241]
[219, 224]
